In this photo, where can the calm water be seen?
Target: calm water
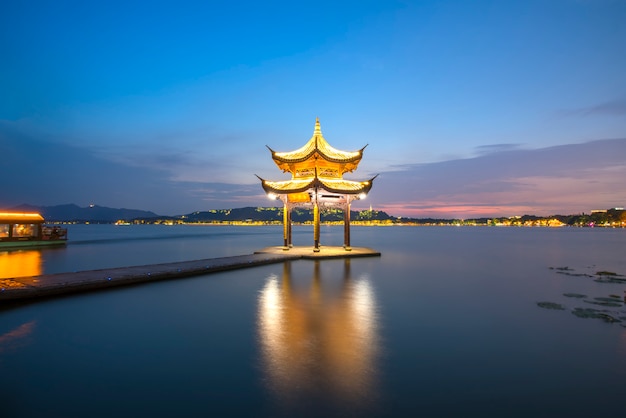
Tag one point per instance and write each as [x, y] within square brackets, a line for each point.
[445, 323]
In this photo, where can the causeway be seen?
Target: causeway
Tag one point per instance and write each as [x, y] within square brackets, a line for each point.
[27, 288]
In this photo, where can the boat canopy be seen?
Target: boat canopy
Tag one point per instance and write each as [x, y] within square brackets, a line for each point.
[20, 218]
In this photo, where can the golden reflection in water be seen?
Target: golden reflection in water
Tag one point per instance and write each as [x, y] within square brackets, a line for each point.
[20, 263]
[14, 338]
[319, 334]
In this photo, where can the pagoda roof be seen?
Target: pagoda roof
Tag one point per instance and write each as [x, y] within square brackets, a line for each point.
[317, 145]
[340, 186]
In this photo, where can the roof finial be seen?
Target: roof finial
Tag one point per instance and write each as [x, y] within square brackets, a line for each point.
[318, 130]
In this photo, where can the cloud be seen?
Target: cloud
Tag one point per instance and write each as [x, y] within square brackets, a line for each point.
[561, 179]
[49, 173]
[503, 180]
[615, 107]
[489, 149]
[228, 195]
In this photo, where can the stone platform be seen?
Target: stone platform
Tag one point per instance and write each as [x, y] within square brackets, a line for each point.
[25, 288]
[324, 252]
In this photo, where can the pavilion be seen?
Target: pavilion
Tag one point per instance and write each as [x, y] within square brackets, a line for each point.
[317, 182]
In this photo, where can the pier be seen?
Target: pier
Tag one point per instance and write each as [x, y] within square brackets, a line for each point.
[49, 285]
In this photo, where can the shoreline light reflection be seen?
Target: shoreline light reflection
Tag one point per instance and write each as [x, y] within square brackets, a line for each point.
[22, 263]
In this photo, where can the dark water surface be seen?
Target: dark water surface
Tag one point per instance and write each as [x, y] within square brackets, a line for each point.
[445, 323]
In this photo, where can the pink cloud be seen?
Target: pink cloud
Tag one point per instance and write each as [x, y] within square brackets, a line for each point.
[557, 180]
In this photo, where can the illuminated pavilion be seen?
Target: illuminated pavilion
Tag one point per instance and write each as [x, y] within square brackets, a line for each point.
[317, 182]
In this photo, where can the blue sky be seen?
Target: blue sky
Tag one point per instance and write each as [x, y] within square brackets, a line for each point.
[470, 108]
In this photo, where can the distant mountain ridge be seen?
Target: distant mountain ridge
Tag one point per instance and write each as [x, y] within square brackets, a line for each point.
[74, 213]
[266, 214]
[95, 214]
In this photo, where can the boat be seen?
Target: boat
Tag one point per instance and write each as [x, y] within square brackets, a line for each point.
[19, 230]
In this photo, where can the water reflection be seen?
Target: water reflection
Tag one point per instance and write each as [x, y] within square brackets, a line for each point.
[22, 263]
[318, 336]
[15, 338]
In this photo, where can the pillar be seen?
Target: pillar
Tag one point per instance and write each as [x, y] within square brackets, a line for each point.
[346, 227]
[289, 242]
[285, 227]
[316, 227]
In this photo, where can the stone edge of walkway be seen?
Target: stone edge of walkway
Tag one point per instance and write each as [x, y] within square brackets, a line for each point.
[35, 287]
[25, 288]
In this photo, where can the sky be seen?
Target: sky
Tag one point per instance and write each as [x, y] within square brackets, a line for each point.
[469, 108]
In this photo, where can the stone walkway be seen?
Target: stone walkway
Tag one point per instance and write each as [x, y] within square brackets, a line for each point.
[23, 288]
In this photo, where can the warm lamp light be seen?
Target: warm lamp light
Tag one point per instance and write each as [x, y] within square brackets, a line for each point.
[272, 196]
[362, 196]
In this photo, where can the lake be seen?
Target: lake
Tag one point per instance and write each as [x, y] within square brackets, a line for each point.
[444, 323]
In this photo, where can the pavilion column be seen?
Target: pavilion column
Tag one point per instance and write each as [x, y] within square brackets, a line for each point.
[316, 227]
[285, 227]
[346, 227]
[289, 242]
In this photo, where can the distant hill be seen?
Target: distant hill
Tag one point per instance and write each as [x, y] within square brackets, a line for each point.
[101, 214]
[265, 214]
[74, 213]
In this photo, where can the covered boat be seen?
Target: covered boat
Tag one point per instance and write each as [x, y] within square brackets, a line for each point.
[19, 230]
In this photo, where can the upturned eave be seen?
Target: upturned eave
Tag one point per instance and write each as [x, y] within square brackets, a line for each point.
[340, 186]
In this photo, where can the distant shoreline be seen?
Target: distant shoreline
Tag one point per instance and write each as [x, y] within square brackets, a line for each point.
[94, 214]
[445, 223]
